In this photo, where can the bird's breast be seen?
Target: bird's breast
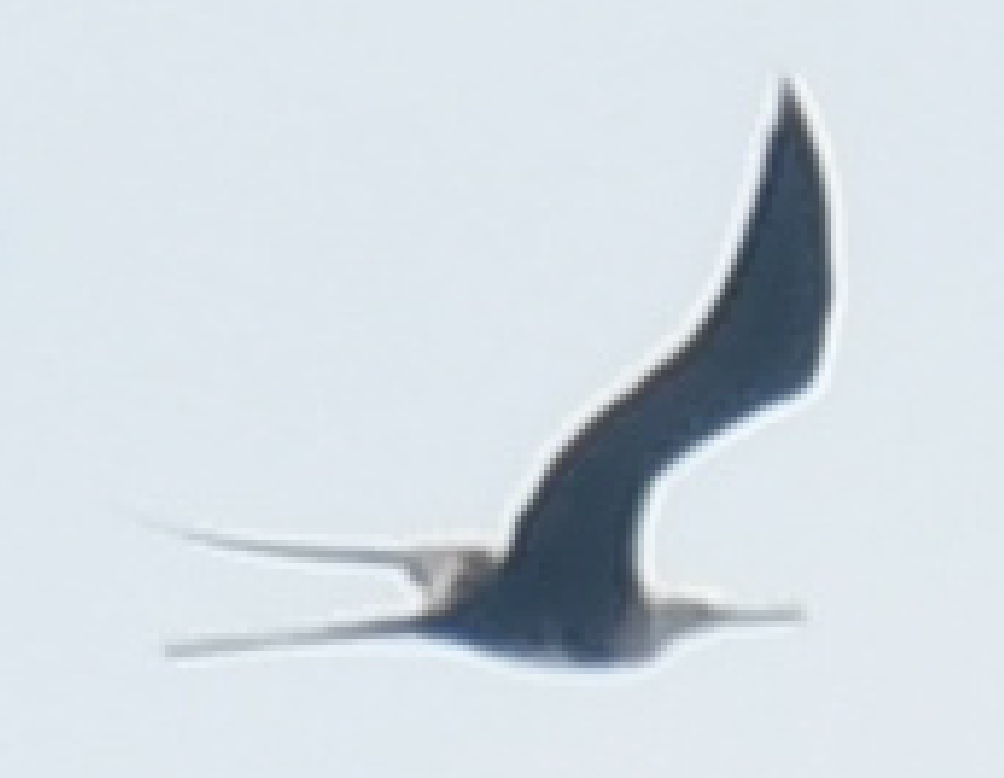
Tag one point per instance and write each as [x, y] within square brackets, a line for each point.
[501, 617]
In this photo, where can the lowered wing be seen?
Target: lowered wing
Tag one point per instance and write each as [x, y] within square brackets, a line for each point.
[759, 343]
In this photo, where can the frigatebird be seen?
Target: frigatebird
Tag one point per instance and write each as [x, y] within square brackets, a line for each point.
[568, 589]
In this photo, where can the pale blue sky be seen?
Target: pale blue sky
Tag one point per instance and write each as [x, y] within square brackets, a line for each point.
[250, 250]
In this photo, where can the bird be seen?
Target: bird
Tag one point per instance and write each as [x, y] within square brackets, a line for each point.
[568, 589]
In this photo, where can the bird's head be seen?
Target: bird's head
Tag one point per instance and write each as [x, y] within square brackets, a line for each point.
[678, 615]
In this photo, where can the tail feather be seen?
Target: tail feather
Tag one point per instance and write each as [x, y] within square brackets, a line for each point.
[425, 566]
[231, 645]
[299, 551]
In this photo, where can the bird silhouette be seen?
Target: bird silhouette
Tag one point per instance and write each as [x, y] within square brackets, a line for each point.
[568, 589]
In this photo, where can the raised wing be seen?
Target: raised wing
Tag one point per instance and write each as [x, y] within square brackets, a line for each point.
[760, 342]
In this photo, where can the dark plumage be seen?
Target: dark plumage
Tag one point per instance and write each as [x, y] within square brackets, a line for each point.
[568, 589]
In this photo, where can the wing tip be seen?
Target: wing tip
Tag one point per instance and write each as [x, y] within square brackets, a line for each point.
[789, 90]
[795, 117]
[794, 113]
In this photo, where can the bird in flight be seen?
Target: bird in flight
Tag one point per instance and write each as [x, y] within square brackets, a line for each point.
[568, 589]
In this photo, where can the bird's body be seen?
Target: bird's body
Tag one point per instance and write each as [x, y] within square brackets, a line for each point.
[568, 588]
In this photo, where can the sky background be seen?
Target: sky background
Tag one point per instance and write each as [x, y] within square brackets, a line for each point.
[252, 254]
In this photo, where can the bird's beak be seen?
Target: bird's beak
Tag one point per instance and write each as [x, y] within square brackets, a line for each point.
[726, 615]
